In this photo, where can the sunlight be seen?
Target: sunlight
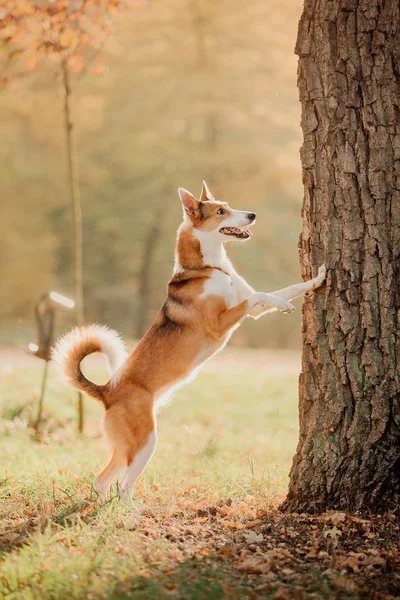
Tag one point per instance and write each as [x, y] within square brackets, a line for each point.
[60, 299]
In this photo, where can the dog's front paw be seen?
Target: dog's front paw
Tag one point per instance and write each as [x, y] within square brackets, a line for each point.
[319, 279]
[321, 275]
[283, 305]
[287, 307]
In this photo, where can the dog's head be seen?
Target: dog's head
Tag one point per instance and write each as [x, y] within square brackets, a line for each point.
[215, 217]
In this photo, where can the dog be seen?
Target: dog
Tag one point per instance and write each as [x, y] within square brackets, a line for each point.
[207, 300]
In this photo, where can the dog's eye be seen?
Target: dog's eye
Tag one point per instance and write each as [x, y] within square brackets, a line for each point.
[221, 211]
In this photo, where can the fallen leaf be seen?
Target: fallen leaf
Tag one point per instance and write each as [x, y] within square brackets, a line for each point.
[255, 565]
[333, 533]
[232, 524]
[253, 538]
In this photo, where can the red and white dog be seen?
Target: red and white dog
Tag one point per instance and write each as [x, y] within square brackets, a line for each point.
[207, 300]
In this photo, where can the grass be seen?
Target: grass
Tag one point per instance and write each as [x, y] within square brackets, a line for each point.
[208, 525]
[233, 428]
[229, 435]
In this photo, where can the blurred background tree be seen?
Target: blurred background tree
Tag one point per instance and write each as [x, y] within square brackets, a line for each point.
[61, 32]
[189, 89]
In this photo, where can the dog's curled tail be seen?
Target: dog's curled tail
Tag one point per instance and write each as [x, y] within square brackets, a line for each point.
[72, 348]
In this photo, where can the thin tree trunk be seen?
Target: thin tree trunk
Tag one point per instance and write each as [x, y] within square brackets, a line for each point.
[201, 31]
[41, 397]
[211, 145]
[145, 278]
[348, 455]
[74, 191]
[149, 248]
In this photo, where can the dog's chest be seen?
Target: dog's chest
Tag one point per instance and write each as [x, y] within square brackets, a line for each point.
[220, 284]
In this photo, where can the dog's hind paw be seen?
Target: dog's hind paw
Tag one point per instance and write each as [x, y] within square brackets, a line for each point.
[125, 495]
[97, 484]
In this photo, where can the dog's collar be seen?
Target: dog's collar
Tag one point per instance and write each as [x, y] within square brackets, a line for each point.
[218, 269]
[202, 268]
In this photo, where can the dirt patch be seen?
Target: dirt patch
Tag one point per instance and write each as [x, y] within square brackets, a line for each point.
[334, 555]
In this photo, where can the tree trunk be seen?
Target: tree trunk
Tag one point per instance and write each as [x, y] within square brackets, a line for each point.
[144, 277]
[75, 198]
[348, 455]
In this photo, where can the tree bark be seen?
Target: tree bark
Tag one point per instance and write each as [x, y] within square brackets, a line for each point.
[348, 456]
[75, 198]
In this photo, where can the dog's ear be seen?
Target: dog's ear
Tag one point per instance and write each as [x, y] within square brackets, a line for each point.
[205, 193]
[189, 203]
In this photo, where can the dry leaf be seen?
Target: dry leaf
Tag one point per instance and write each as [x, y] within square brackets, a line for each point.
[337, 518]
[232, 524]
[255, 565]
[253, 538]
[333, 533]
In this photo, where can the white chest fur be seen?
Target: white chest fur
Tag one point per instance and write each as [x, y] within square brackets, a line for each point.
[220, 284]
[233, 289]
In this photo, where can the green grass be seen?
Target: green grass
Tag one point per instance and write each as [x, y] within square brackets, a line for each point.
[226, 440]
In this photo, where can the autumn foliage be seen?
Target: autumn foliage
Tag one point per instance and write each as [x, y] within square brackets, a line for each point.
[69, 30]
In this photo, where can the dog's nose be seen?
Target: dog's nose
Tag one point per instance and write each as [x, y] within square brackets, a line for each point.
[251, 216]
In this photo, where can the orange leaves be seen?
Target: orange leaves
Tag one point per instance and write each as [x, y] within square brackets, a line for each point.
[56, 8]
[31, 61]
[225, 552]
[76, 62]
[255, 564]
[23, 8]
[232, 524]
[264, 562]
[284, 556]
[204, 552]
[357, 561]
[61, 28]
[98, 68]
[69, 39]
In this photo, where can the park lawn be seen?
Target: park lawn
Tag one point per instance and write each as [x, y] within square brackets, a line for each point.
[207, 524]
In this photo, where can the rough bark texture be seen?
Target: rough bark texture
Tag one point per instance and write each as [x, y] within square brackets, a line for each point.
[349, 449]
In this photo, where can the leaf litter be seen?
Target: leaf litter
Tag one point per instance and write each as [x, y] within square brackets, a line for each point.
[259, 552]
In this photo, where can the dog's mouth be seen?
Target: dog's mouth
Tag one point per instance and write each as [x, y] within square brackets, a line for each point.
[241, 234]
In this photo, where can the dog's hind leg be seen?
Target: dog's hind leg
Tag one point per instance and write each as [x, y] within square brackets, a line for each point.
[102, 483]
[130, 428]
[138, 460]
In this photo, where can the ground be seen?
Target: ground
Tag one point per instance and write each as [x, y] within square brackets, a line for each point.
[207, 524]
